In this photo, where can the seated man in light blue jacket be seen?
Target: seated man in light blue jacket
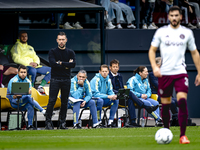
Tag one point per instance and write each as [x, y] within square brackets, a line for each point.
[102, 89]
[139, 85]
[26, 102]
[81, 92]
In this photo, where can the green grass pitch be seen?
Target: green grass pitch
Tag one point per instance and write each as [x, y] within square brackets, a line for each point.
[96, 139]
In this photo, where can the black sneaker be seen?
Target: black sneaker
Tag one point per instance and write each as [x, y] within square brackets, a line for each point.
[31, 127]
[159, 123]
[62, 126]
[49, 126]
[112, 125]
[174, 122]
[77, 126]
[134, 125]
[99, 126]
[150, 109]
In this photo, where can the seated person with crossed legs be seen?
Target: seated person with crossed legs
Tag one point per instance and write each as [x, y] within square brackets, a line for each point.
[117, 82]
[6, 69]
[26, 101]
[80, 89]
[139, 85]
[102, 89]
[24, 54]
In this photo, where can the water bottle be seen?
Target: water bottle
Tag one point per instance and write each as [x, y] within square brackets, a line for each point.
[80, 122]
[122, 121]
[119, 123]
[142, 122]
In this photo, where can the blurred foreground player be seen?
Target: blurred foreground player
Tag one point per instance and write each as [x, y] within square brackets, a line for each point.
[173, 41]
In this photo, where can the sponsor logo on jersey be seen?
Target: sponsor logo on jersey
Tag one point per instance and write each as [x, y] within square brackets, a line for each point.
[171, 43]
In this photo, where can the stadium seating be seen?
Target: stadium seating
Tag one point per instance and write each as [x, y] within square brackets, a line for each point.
[44, 99]
[154, 97]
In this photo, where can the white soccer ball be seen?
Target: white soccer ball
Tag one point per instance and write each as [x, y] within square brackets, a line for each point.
[163, 136]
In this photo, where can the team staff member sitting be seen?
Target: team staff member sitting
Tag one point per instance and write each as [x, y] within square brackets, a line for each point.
[139, 85]
[103, 90]
[80, 89]
[117, 82]
[26, 101]
[24, 54]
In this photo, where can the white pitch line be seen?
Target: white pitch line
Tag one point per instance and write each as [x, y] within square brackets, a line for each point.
[31, 137]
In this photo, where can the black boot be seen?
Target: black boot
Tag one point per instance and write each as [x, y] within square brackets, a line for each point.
[49, 126]
[150, 109]
[62, 125]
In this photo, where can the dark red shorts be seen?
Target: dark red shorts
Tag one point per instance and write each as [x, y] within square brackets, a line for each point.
[167, 82]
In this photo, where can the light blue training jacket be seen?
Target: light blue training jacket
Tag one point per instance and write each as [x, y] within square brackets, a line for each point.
[139, 86]
[101, 87]
[79, 92]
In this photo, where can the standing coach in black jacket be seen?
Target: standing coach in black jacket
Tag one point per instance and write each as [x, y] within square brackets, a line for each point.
[61, 60]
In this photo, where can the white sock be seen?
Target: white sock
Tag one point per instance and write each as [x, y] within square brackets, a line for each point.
[40, 86]
[110, 121]
[94, 125]
[44, 111]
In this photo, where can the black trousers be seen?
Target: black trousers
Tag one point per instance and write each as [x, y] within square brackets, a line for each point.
[55, 86]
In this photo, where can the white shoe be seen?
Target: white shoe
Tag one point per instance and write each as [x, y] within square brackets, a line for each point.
[144, 26]
[131, 26]
[110, 26]
[119, 26]
[105, 17]
[41, 90]
[152, 26]
[77, 26]
[191, 26]
[198, 25]
[67, 26]
[2, 86]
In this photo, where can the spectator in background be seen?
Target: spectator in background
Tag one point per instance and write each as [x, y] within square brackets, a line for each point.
[139, 85]
[109, 13]
[149, 6]
[193, 9]
[168, 4]
[24, 54]
[196, 11]
[80, 89]
[119, 7]
[117, 82]
[102, 89]
[154, 88]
